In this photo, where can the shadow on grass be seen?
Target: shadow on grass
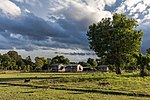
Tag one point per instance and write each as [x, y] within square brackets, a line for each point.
[80, 79]
[27, 92]
[110, 92]
[55, 73]
[131, 75]
[77, 74]
[23, 78]
[58, 79]
[76, 93]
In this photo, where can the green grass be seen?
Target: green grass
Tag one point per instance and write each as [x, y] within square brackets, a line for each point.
[74, 86]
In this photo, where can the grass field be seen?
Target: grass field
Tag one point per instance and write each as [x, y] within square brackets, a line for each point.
[74, 86]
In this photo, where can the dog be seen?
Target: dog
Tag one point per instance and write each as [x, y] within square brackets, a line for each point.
[26, 80]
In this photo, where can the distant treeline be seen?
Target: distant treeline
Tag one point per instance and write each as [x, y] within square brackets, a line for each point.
[13, 61]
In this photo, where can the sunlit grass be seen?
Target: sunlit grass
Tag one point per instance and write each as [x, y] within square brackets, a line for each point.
[74, 86]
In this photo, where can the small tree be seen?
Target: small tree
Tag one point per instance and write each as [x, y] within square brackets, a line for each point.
[142, 61]
[14, 55]
[60, 59]
[115, 39]
[92, 62]
[85, 64]
[39, 63]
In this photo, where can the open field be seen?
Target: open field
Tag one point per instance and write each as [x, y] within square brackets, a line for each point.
[74, 86]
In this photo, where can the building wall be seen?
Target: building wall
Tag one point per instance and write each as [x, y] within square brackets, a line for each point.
[74, 68]
[57, 68]
[60, 69]
[79, 68]
[103, 68]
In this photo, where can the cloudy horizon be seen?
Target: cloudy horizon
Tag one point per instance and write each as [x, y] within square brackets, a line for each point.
[44, 27]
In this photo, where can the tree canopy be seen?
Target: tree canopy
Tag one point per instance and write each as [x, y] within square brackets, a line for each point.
[92, 62]
[142, 61]
[115, 39]
[148, 51]
[60, 59]
[13, 61]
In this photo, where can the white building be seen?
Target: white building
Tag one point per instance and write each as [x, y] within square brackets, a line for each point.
[103, 68]
[57, 68]
[74, 68]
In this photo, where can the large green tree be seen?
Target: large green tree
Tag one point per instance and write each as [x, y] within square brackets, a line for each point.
[115, 39]
[60, 59]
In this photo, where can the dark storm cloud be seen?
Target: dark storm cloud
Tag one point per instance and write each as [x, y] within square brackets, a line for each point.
[35, 32]
[76, 53]
[31, 26]
[146, 37]
[66, 24]
[38, 32]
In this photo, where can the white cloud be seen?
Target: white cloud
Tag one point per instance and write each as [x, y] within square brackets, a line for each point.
[20, 0]
[30, 2]
[27, 11]
[78, 10]
[146, 2]
[9, 8]
[16, 36]
[131, 3]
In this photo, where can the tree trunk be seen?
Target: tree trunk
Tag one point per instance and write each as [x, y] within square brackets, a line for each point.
[118, 70]
[142, 72]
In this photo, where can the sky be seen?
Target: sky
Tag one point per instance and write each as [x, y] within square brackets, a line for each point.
[58, 27]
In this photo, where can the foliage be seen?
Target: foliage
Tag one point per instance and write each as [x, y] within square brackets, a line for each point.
[115, 39]
[14, 55]
[40, 62]
[92, 62]
[60, 59]
[142, 61]
[13, 61]
[148, 51]
[84, 64]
